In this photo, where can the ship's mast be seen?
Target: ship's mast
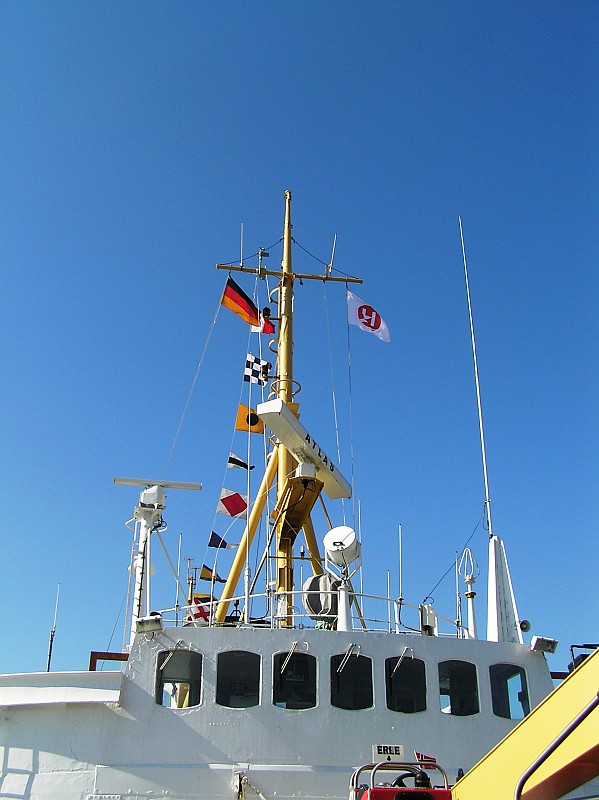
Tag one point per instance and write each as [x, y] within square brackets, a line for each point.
[286, 462]
[293, 503]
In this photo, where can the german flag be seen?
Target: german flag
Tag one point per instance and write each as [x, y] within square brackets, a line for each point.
[237, 301]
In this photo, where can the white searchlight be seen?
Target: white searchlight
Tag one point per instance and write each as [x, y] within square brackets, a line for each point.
[288, 429]
[342, 546]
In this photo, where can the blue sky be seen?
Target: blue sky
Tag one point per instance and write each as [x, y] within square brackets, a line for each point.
[138, 137]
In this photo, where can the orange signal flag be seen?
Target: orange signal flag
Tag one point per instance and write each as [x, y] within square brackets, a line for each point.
[248, 420]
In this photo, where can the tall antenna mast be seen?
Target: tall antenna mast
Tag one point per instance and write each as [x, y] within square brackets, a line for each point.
[480, 410]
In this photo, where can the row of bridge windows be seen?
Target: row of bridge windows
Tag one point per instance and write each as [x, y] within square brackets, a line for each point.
[179, 681]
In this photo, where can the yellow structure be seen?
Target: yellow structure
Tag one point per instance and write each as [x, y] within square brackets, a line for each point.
[292, 515]
[572, 764]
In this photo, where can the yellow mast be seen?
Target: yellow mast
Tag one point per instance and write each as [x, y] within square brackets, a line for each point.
[286, 465]
[282, 463]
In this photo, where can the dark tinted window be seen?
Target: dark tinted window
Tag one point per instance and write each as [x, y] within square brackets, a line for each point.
[238, 679]
[405, 683]
[178, 678]
[294, 680]
[351, 682]
[509, 691]
[458, 690]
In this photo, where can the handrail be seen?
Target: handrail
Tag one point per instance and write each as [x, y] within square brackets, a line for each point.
[372, 623]
[570, 728]
[397, 766]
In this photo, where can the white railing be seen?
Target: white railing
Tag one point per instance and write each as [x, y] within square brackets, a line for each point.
[372, 613]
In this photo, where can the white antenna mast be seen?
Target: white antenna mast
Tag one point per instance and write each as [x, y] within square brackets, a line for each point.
[480, 410]
[241, 246]
[400, 543]
[329, 267]
[502, 615]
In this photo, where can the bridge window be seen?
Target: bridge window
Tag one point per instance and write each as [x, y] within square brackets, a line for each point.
[238, 679]
[178, 678]
[351, 681]
[294, 680]
[509, 691]
[458, 690]
[405, 682]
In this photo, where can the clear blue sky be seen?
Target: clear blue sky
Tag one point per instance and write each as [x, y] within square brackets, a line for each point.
[137, 137]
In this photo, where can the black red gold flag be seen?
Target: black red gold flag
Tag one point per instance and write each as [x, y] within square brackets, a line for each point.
[237, 301]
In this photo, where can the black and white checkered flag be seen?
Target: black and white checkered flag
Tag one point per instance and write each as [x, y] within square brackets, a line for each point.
[256, 370]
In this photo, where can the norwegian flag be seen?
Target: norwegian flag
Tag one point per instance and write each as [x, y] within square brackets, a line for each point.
[256, 370]
[425, 760]
[232, 504]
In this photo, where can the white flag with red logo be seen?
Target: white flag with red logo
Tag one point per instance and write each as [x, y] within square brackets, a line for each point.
[365, 317]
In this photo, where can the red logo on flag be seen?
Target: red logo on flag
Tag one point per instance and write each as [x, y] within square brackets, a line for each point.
[369, 317]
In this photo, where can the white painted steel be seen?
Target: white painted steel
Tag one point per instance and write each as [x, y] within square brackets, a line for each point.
[65, 745]
[277, 416]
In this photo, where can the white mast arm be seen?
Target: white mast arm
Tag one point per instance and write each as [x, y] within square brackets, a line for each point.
[148, 515]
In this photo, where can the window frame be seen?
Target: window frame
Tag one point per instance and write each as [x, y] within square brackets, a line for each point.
[354, 658]
[454, 694]
[419, 695]
[193, 679]
[500, 691]
[257, 678]
[295, 658]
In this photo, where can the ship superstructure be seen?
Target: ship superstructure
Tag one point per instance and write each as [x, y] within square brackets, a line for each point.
[282, 692]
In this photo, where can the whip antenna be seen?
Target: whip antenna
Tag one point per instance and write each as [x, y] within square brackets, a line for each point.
[53, 631]
[480, 410]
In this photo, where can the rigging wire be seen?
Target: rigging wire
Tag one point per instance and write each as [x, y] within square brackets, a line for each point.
[333, 390]
[320, 261]
[235, 262]
[193, 385]
[248, 448]
[116, 622]
[351, 420]
[301, 247]
[449, 569]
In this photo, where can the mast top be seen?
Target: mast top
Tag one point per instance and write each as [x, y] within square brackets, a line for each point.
[286, 264]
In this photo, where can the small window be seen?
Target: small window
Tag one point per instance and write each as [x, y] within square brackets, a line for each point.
[509, 691]
[458, 690]
[405, 682]
[178, 678]
[238, 679]
[294, 681]
[351, 682]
